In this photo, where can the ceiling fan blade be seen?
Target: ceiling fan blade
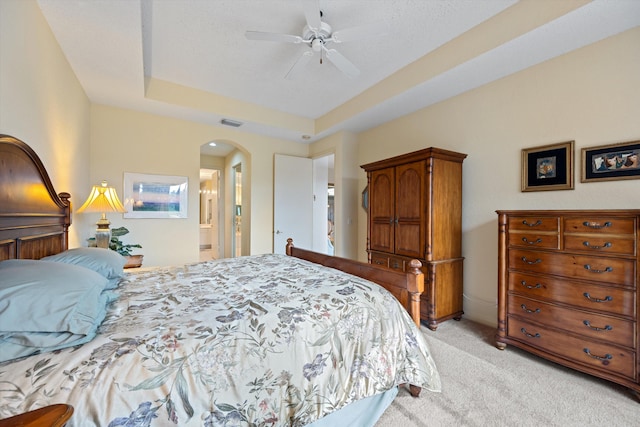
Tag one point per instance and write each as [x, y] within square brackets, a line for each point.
[300, 64]
[272, 37]
[312, 14]
[356, 33]
[342, 63]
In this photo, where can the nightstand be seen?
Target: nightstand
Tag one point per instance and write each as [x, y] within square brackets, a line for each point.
[49, 416]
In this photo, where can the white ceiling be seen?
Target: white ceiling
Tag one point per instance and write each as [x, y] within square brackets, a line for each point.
[114, 45]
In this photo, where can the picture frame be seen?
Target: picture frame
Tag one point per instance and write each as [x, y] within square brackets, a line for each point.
[548, 167]
[155, 196]
[365, 198]
[611, 162]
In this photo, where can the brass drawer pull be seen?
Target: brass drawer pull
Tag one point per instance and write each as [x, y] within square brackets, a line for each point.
[607, 298]
[590, 246]
[535, 242]
[606, 270]
[537, 285]
[605, 357]
[395, 265]
[596, 225]
[588, 324]
[528, 310]
[378, 262]
[535, 224]
[524, 258]
[524, 331]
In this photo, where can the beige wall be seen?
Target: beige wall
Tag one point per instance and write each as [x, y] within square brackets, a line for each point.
[590, 96]
[42, 102]
[128, 141]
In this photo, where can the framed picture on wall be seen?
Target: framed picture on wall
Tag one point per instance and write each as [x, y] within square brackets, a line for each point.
[365, 198]
[155, 196]
[611, 162]
[548, 167]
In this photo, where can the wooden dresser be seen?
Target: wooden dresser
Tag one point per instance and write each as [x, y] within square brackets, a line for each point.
[567, 289]
[415, 212]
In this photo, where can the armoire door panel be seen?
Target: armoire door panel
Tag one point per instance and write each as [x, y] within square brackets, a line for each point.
[381, 195]
[382, 210]
[408, 240]
[409, 191]
[382, 234]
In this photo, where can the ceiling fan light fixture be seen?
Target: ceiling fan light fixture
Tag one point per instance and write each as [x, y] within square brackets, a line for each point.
[232, 123]
[316, 45]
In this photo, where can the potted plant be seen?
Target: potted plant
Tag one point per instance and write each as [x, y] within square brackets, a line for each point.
[123, 249]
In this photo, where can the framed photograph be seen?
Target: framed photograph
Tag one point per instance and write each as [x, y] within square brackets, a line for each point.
[365, 198]
[548, 167]
[611, 162]
[155, 196]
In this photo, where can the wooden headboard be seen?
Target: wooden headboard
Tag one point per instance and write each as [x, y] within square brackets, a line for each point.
[34, 220]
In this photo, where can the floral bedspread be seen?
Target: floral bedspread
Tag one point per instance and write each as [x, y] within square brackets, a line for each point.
[264, 340]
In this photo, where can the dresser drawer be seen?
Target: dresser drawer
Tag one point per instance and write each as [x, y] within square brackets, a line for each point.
[611, 329]
[602, 356]
[604, 224]
[589, 296]
[600, 269]
[600, 244]
[534, 223]
[533, 240]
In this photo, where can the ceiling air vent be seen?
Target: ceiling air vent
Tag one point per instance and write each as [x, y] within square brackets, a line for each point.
[231, 123]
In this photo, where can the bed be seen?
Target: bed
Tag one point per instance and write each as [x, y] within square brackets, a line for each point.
[265, 340]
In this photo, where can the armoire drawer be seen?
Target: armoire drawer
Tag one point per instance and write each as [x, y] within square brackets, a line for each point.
[608, 328]
[395, 263]
[602, 356]
[381, 260]
[600, 269]
[602, 298]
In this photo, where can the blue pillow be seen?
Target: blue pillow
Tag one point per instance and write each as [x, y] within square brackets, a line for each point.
[46, 306]
[104, 261]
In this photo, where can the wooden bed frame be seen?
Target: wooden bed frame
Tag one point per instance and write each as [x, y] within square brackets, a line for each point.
[34, 223]
[406, 287]
[34, 220]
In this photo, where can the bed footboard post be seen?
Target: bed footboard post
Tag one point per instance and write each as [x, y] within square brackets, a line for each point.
[415, 288]
[289, 246]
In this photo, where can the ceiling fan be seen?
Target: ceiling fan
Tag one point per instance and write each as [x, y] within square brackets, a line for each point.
[317, 35]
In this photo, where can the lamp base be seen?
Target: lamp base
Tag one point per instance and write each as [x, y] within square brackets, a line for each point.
[103, 237]
[103, 232]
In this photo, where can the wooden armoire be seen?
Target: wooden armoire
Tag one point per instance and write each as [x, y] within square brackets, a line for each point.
[415, 212]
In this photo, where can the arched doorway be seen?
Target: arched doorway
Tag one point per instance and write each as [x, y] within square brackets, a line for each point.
[220, 185]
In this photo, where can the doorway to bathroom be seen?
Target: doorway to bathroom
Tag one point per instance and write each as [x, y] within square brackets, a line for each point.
[210, 214]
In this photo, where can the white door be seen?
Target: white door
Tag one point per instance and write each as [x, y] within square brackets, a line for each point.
[236, 233]
[292, 202]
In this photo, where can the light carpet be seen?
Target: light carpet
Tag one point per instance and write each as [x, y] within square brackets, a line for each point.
[484, 386]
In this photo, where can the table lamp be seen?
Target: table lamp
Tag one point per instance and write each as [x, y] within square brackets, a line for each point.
[102, 199]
